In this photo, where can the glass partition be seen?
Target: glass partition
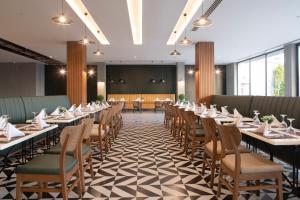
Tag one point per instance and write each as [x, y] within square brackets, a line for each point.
[258, 76]
[244, 78]
[275, 74]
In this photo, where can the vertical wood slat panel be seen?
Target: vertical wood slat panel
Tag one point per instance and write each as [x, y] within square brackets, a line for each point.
[76, 72]
[204, 76]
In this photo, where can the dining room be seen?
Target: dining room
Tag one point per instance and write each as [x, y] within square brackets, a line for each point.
[140, 99]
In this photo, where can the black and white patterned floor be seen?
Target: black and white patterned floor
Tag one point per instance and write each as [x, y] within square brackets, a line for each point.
[145, 163]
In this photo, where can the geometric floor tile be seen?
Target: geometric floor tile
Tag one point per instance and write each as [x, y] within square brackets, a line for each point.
[145, 162]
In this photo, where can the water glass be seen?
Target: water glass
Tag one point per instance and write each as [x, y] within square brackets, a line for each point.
[283, 123]
[290, 128]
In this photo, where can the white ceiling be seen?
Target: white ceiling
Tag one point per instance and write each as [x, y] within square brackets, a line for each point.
[240, 28]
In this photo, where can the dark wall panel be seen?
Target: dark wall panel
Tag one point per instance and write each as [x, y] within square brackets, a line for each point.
[138, 79]
[55, 83]
[92, 84]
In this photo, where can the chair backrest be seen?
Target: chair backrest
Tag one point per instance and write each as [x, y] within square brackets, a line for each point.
[70, 138]
[230, 138]
[210, 128]
[88, 126]
[191, 119]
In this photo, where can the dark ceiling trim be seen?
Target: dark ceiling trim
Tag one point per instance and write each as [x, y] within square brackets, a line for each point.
[17, 49]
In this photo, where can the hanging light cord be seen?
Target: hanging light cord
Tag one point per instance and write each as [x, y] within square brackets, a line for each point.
[185, 24]
[62, 6]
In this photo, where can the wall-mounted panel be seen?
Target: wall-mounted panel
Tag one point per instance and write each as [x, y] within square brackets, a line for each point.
[138, 79]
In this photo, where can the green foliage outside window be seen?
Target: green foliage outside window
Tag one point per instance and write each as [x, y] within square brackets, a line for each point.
[279, 81]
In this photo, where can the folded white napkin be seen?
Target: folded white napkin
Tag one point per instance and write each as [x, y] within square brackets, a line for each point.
[2, 123]
[41, 123]
[212, 113]
[72, 109]
[55, 112]
[12, 132]
[78, 112]
[275, 122]
[107, 104]
[68, 115]
[177, 103]
[181, 104]
[224, 111]
[88, 105]
[236, 113]
[42, 114]
[238, 122]
[112, 99]
[263, 128]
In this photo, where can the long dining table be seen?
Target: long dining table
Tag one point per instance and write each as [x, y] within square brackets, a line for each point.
[276, 138]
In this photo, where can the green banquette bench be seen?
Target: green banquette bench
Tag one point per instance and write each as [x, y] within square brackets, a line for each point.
[266, 105]
[20, 109]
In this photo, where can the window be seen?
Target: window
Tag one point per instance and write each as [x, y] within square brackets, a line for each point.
[275, 74]
[263, 75]
[258, 76]
[243, 78]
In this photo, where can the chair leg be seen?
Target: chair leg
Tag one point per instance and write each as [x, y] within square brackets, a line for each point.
[212, 176]
[79, 183]
[40, 194]
[204, 164]
[235, 193]
[65, 190]
[90, 162]
[193, 149]
[81, 176]
[18, 188]
[220, 182]
[279, 184]
[100, 149]
[257, 182]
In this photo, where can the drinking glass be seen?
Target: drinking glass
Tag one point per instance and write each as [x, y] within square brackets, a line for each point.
[290, 128]
[283, 123]
[256, 118]
[34, 117]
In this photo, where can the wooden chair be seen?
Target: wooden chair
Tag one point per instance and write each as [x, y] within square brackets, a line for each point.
[100, 132]
[194, 133]
[167, 116]
[158, 105]
[212, 147]
[85, 152]
[137, 106]
[58, 168]
[245, 167]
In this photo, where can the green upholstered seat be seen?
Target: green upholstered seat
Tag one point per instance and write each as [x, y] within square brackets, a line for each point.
[47, 164]
[200, 132]
[36, 104]
[14, 108]
[57, 149]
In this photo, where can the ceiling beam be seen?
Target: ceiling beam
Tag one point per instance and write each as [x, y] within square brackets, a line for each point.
[20, 50]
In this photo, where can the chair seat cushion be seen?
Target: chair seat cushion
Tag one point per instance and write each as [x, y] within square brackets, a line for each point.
[209, 148]
[47, 164]
[252, 163]
[200, 132]
[57, 149]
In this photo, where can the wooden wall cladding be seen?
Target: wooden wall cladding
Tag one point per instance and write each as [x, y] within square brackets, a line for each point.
[205, 71]
[138, 79]
[76, 72]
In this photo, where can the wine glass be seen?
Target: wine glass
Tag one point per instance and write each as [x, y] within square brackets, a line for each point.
[256, 118]
[290, 128]
[34, 117]
[283, 123]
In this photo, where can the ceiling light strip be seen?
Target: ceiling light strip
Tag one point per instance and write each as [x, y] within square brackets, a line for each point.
[135, 11]
[191, 7]
[82, 12]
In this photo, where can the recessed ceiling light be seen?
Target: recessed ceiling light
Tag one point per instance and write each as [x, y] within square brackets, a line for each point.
[91, 72]
[62, 71]
[190, 9]
[82, 12]
[135, 10]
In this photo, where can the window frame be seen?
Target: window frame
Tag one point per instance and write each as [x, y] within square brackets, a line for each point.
[265, 55]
